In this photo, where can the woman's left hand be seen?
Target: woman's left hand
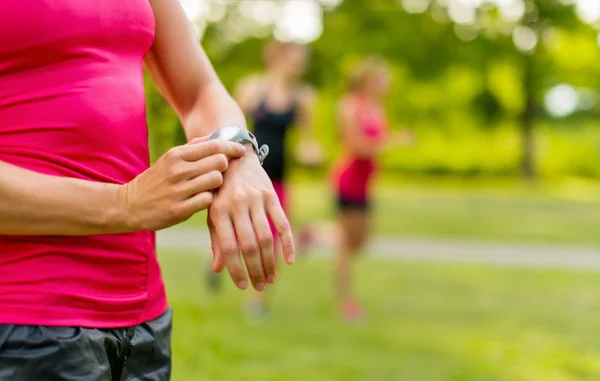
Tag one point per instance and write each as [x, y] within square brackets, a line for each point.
[404, 138]
[310, 153]
[238, 222]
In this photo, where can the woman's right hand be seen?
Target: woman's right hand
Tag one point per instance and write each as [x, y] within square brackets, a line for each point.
[179, 184]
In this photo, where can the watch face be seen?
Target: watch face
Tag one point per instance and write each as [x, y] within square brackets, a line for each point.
[227, 133]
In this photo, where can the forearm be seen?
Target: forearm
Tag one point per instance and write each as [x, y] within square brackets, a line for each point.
[306, 116]
[213, 109]
[35, 204]
[306, 130]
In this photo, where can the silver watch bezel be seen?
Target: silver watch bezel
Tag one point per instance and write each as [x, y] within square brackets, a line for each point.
[242, 136]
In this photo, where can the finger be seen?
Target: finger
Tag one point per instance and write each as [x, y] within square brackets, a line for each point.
[218, 162]
[248, 245]
[284, 230]
[203, 183]
[228, 247]
[197, 202]
[195, 152]
[199, 140]
[218, 260]
[265, 239]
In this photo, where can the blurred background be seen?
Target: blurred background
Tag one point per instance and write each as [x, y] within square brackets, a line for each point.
[485, 248]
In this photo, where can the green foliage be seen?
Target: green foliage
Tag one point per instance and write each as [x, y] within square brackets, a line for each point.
[463, 99]
[162, 122]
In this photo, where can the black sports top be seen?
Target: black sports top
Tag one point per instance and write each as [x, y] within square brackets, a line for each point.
[271, 128]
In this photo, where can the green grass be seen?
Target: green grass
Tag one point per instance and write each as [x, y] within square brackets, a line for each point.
[567, 211]
[426, 322]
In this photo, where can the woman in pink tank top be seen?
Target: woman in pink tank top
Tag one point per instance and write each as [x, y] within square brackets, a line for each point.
[81, 291]
[364, 133]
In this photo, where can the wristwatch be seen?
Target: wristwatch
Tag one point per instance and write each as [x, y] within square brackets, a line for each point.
[243, 136]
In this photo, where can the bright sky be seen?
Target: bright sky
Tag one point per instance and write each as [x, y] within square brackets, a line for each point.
[301, 21]
[194, 8]
[463, 11]
[562, 100]
[588, 10]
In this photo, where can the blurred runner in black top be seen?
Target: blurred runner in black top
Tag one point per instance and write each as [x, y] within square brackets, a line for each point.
[271, 128]
[275, 102]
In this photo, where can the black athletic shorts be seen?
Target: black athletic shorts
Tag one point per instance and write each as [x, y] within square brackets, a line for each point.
[37, 353]
[348, 204]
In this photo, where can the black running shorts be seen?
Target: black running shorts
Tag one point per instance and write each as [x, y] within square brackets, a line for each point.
[38, 353]
[346, 204]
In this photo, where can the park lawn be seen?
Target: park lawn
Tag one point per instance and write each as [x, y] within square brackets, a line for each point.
[427, 322]
[564, 212]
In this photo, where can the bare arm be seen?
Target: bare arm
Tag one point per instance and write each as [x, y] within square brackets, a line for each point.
[177, 186]
[309, 151]
[400, 139]
[184, 75]
[238, 217]
[306, 101]
[246, 92]
[37, 204]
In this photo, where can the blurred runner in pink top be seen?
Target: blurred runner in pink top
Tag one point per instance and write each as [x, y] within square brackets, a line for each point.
[353, 172]
[364, 132]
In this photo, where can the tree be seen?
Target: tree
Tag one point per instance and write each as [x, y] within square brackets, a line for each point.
[527, 23]
[462, 79]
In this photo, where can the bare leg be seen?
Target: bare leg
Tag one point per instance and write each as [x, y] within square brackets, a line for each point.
[257, 307]
[351, 240]
[342, 266]
[305, 236]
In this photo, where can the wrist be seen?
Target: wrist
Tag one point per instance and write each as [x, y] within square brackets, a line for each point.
[250, 152]
[213, 109]
[120, 215]
[250, 157]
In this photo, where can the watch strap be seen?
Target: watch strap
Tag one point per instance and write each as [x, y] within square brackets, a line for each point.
[243, 136]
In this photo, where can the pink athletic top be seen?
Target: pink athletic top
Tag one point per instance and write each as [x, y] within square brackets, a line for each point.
[352, 174]
[72, 104]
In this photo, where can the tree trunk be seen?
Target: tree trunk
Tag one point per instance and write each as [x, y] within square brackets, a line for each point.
[527, 120]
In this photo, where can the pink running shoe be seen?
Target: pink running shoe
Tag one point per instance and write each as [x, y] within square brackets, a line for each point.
[352, 311]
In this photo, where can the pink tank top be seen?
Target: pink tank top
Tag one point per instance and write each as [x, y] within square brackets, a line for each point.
[353, 174]
[72, 104]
